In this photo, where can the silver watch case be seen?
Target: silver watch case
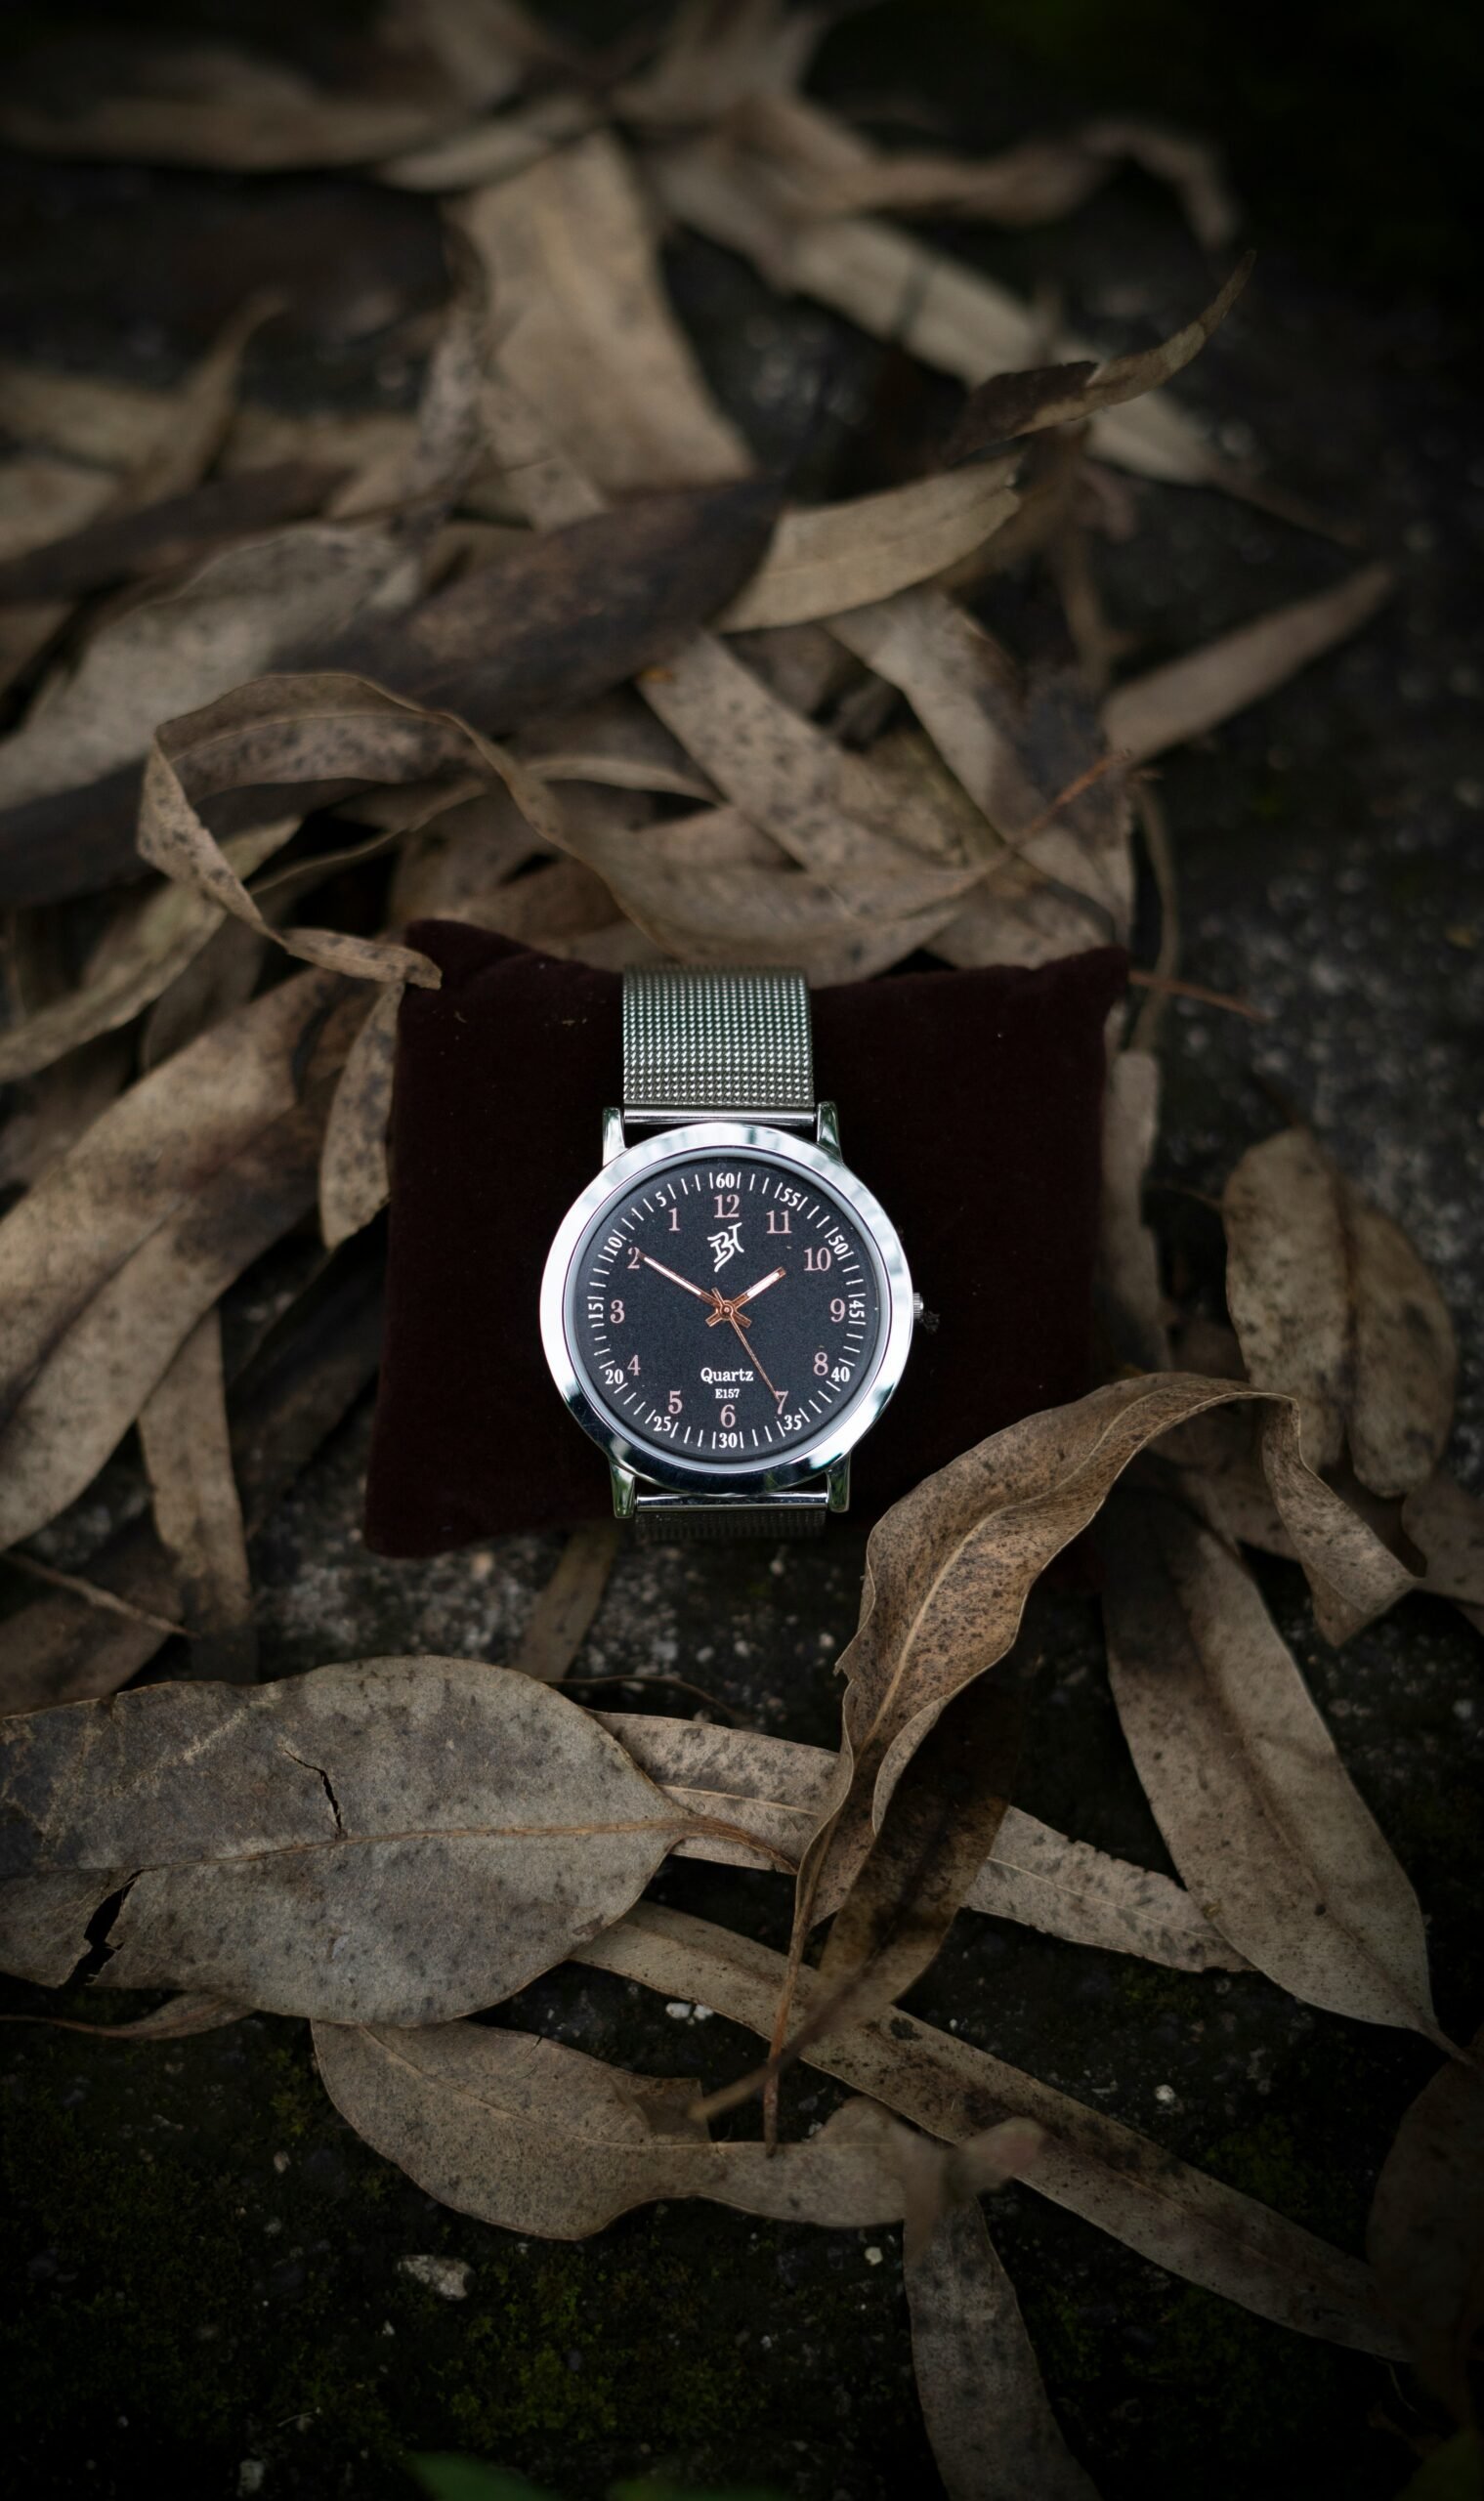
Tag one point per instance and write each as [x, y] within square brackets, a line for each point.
[810, 1459]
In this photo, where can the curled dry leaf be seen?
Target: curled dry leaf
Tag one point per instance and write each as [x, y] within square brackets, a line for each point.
[297, 1846]
[1332, 1303]
[355, 1183]
[198, 1514]
[947, 1571]
[319, 728]
[840, 556]
[1034, 1875]
[1426, 2233]
[1062, 395]
[1178, 2217]
[1192, 695]
[990, 2421]
[122, 1246]
[589, 336]
[541, 2139]
[1256, 1808]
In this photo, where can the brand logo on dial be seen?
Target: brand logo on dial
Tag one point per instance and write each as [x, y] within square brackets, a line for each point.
[726, 1244]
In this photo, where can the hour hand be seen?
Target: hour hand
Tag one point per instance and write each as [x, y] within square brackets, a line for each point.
[727, 1304]
[661, 1270]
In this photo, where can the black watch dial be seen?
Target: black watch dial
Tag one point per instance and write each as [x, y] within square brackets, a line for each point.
[725, 1309]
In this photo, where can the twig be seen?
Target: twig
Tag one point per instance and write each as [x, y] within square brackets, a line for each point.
[1162, 985]
[92, 1595]
[677, 1684]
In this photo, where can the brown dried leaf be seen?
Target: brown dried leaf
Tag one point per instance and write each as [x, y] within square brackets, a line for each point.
[198, 1514]
[1177, 2217]
[179, 2019]
[541, 2139]
[491, 152]
[839, 556]
[716, 55]
[1332, 1304]
[150, 947]
[990, 2421]
[237, 616]
[587, 333]
[1131, 1299]
[776, 1789]
[215, 104]
[60, 1648]
[947, 1571]
[1256, 1808]
[179, 529]
[1426, 2233]
[121, 1246]
[559, 1623]
[1447, 1524]
[924, 302]
[355, 1182]
[1190, 696]
[296, 1846]
[833, 172]
[1064, 395]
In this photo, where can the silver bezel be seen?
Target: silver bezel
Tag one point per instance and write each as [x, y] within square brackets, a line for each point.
[678, 1146]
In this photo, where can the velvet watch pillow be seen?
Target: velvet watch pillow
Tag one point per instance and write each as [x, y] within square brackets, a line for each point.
[969, 1103]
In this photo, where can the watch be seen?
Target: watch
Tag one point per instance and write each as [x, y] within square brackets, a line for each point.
[725, 1309]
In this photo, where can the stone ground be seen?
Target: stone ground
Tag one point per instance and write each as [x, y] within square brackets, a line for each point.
[212, 2270]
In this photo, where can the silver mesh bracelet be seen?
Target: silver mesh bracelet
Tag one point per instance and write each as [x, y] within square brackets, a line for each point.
[701, 1042]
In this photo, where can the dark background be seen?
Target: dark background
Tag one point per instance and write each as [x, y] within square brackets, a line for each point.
[205, 2263]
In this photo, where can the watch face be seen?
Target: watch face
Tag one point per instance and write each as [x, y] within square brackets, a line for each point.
[725, 1309]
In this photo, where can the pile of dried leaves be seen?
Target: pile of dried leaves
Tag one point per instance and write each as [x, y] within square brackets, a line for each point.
[267, 660]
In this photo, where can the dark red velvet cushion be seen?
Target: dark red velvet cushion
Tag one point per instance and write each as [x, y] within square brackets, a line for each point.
[969, 1102]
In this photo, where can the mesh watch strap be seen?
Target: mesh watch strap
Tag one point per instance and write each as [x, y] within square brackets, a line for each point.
[704, 1039]
[698, 1042]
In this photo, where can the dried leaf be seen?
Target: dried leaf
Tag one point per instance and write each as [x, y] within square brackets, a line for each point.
[994, 2435]
[187, 1459]
[947, 1571]
[538, 2138]
[1426, 2233]
[180, 530]
[840, 556]
[215, 983]
[716, 55]
[1065, 1888]
[832, 171]
[109, 1262]
[1178, 2217]
[559, 1622]
[237, 616]
[148, 948]
[1131, 1297]
[1447, 1524]
[1064, 395]
[588, 335]
[354, 1179]
[1016, 749]
[296, 1846]
[1332, 1304]
[1190, 696]
[1255, 1806]
[924, 302]
[179, 2019]
[215, 104]
[491, 152]
[60, 1648]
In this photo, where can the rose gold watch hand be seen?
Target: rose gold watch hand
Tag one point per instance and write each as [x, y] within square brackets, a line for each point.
[751, 1354]
[726, 1304]
[699, 1290]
